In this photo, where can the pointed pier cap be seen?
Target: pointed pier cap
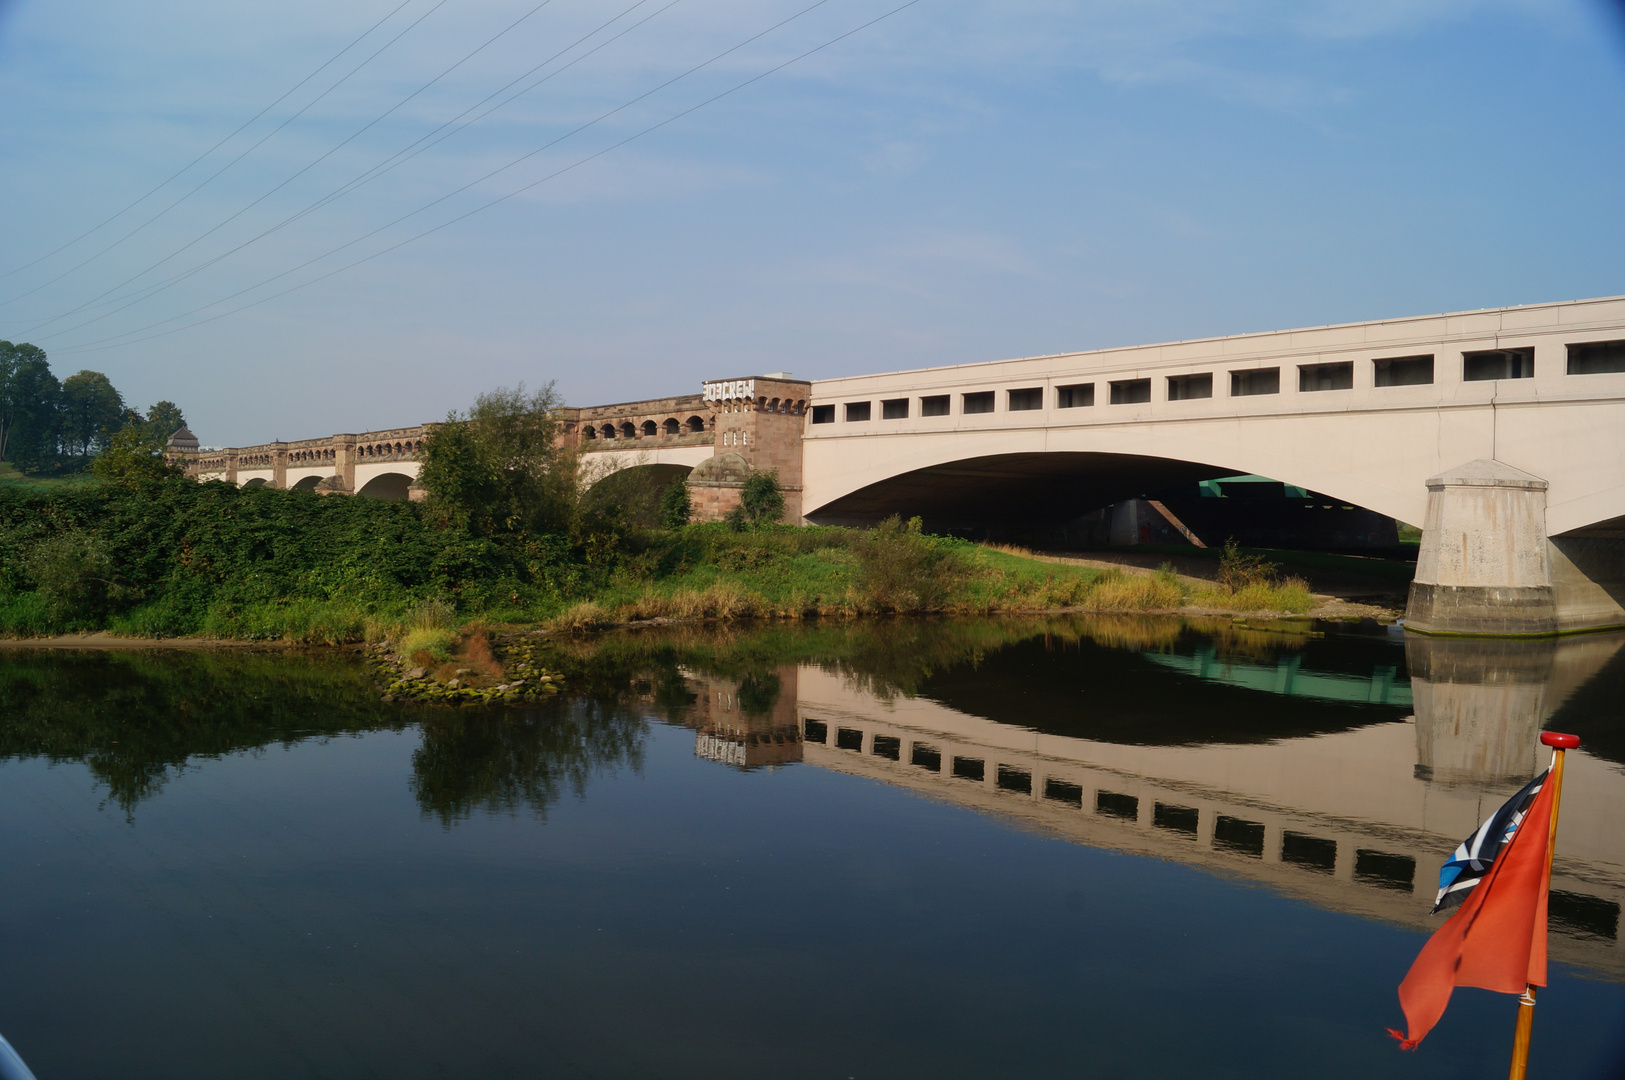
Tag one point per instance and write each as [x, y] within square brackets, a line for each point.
[1486, 472]
[1559, 741]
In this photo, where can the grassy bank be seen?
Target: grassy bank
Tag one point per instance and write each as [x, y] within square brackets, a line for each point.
[175, 558]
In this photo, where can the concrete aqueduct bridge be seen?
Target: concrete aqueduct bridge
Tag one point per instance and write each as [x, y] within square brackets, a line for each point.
[1501, 432]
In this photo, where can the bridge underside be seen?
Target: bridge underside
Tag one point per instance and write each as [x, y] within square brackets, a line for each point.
[1003, 491]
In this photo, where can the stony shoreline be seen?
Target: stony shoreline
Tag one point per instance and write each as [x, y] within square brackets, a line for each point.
[522, 681]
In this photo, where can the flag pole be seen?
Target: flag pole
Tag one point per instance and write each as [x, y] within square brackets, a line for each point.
[1526, 1004]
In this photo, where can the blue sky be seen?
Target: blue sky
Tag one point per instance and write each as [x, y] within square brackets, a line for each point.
[959, 181]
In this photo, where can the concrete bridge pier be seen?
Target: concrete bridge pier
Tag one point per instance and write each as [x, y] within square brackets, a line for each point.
[1487, 568]
[1482, 568]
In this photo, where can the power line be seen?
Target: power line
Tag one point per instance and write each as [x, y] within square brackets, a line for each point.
[366, 176]
[111, 343]
[311, 165]
[229, 164]
[324, 66]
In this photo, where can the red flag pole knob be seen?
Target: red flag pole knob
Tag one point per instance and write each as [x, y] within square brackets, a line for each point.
[1559, 740]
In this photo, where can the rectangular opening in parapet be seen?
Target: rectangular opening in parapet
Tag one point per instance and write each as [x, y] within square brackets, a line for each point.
[816, 731]
[857, 411]
[894, 409]
[1384, 871]
[1597, 358]
[823, 414]
[1312, 377]
[1189, 387]
[926, 757]
[1578, 915]
[1404, 371]
[1027, 399]
[1498, 364]
[1310, 852]
[1061, 791]
[1179, 819]
[1131, 391]
[1075, 397]
[848, 739]
[1118, 806]
[969, 768]
[887, 746]
[1242, 837]
[1011, 778]
[979, 402]
[935, 405]
[1253, 383]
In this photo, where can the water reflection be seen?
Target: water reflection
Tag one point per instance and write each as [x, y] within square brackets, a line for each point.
[1288, 758]
[1303, 760]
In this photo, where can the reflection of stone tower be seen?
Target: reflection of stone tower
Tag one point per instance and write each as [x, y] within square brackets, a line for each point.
[1480, 703]
[749, 722]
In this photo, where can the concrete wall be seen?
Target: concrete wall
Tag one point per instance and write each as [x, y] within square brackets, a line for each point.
[1372, 446]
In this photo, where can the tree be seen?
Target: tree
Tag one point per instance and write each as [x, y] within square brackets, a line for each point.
[30, 399]
[163, 420]
[761, 501]
[499, 467]
[92, 410]
[676, 508]
[134, 457]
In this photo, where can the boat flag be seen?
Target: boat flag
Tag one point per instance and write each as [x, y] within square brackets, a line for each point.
[1497, 882]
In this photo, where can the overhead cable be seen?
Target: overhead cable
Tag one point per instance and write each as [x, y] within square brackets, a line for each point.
[437, 6]
[112, 342]
[164, 183]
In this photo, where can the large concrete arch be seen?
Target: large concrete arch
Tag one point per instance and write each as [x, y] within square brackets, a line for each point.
[305, 483]
[599, 464]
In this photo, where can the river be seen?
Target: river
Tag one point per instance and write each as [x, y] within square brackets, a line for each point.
[1114, 847]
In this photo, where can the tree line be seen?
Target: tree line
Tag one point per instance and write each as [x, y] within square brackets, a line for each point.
[50, 426]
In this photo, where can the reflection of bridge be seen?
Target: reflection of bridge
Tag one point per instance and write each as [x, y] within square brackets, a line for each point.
[1356, 821]
[1501, 432]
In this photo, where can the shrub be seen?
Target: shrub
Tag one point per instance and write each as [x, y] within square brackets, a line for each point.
[900, 569]
[676, 508]
[761, 502]
[1238, 570]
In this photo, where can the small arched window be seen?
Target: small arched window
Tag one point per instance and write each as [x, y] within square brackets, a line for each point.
[695, 424]
[589, 432]
[673, 427]
[628, 431]
[650, 429]
[609, 431]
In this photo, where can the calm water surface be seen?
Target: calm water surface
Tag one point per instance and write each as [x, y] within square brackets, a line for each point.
[1108, 847]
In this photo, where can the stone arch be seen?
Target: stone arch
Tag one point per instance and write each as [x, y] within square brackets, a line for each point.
[609, 431]
[391, 487]
[307, 484]
[673, 426]
[650, 429]
[254, 482]
[628, 431]
[589, 432]
[696, 425]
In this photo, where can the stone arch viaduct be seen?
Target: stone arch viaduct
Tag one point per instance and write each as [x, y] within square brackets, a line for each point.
[1500, 432]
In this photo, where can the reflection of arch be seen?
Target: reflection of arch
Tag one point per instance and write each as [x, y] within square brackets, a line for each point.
[650, 429]
[258, 481]
[307, 484]
[673, 427]
[695, 424]
[388, 486]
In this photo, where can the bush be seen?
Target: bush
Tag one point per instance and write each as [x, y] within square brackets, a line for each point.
[899, 569]
[676, 508]
[761, 502]
[1238, 570]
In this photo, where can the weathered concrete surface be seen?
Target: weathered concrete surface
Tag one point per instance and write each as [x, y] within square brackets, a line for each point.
[1482, 568]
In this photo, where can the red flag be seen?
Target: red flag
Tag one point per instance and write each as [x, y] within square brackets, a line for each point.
[1496, 940]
